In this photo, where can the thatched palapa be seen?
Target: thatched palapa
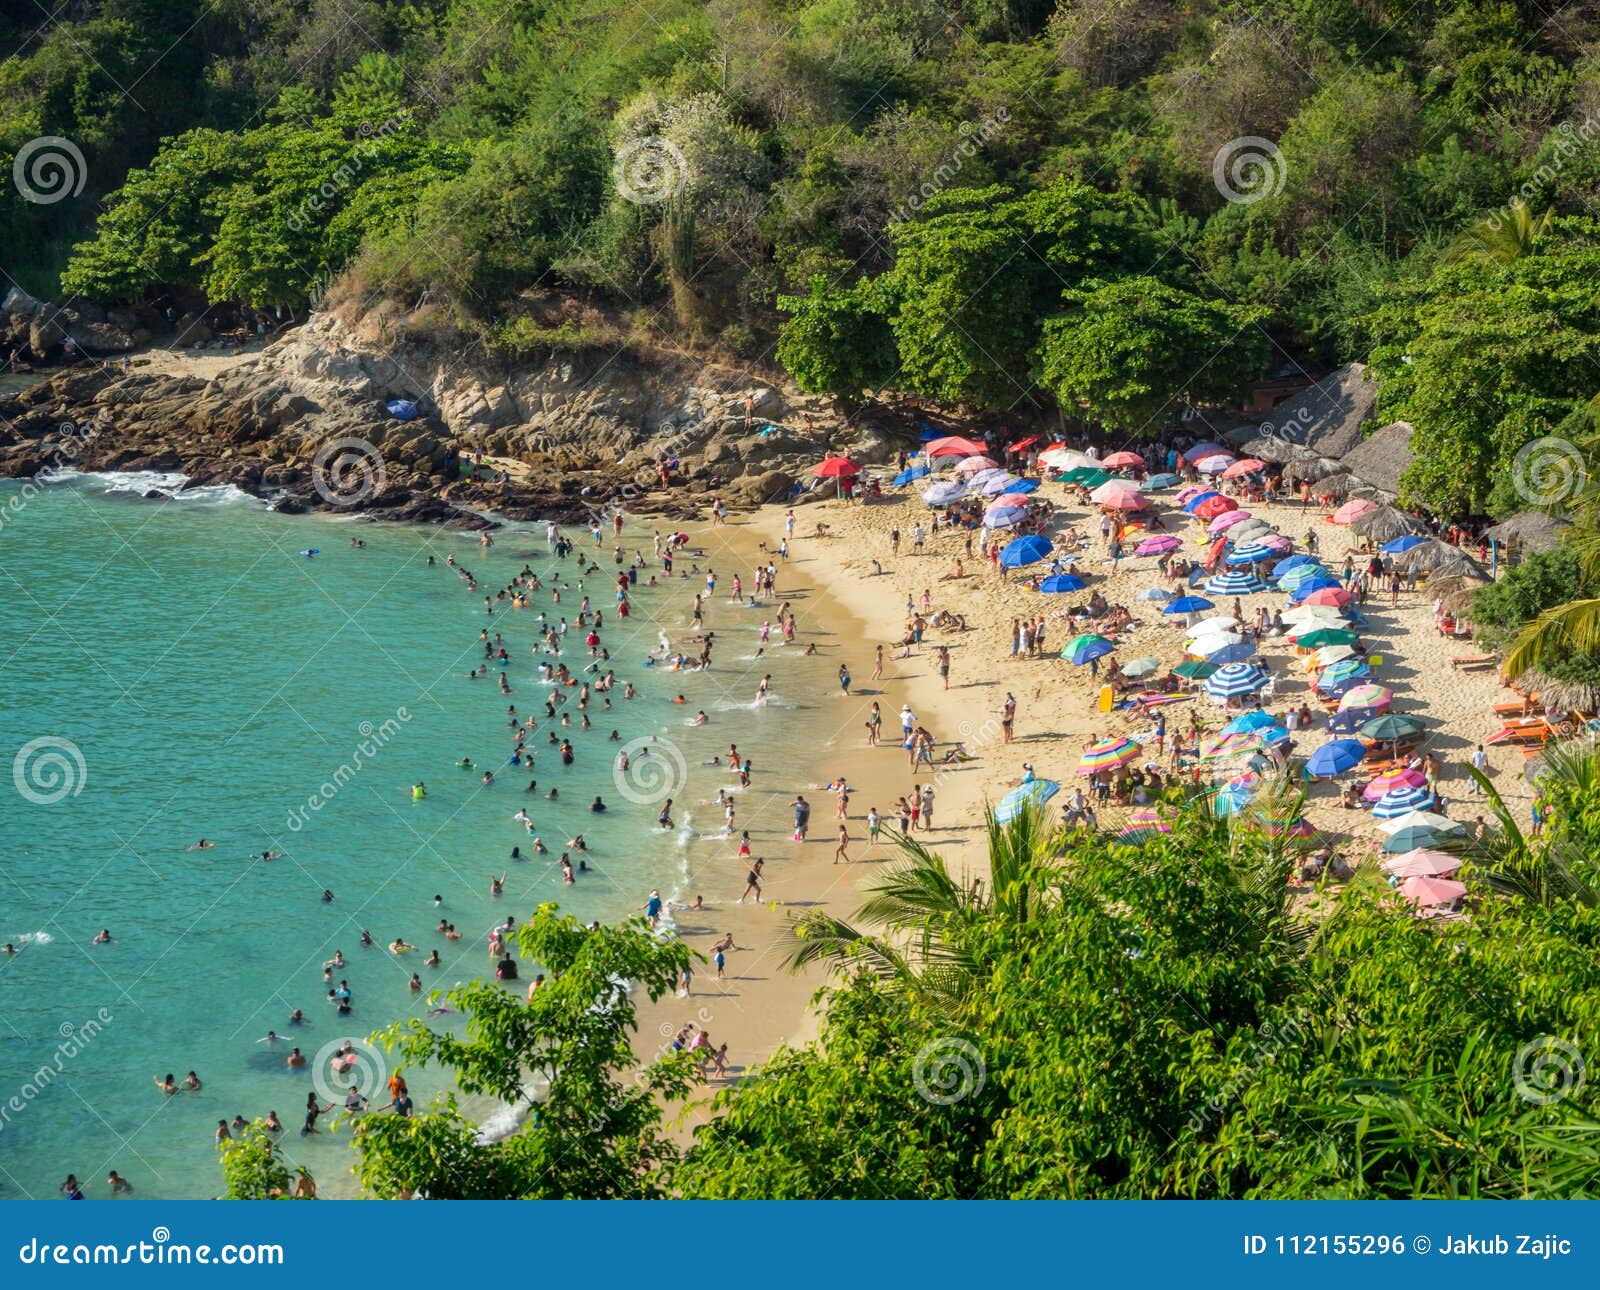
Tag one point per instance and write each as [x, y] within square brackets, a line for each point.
[1381, 457]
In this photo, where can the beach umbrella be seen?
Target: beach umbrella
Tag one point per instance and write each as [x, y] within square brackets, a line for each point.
[1227, 747]
[1153, 593]
[1291, 562]
[1136, 835]
[1069, 459]
[1327, 655]
[1235, 678]
[1209, 508]
[999, 483]
[1337, 597]
[1225, 521]
[939, 494]
[1250, 553]
[1315, 616]
[1081, 649]
[1206, 644]
[1352, 720]
[1402, 544]
[1348, 669]
[1022, 486]
[1124, 460]
[1060, 582]
[1243, 724]
[1020, 799]
[1399, 777]
[1022, 445]
[1195, 669]
[1234, 583]
[1337, 689]
[1001, 516]
[955, 446]
[1236, 793]
[1410, 838]
[1189, 492]
[1366, 696]
[1429, 820]
[1108, 754]
[1025, 550]
[1335, 757]
[1321, 638]
[1252, 529]
[1126, 500]
[1276, 542]
[1392, 726]
[835, 468]
[1232, 652]
[1248, 466]
[1159, 544]
[1141, 668]
[1214, 464]
[1090, 479]
[1422, 863]
[1206, 449]
[1216, 623]
[974, 465]
[1353, 510]
[1197, 500]
[1163, 480]
[1402, 801]
[1187, 605]
[910, 475]
[1428, 892]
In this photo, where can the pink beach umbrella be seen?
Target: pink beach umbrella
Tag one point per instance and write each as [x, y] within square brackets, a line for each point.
[954, 446]
[1422, 863]
[1248, 466]
[1190, 491]
[1124, 499]
[1426, 892]
[1332, 596]
[1158, 545]
[1366, 696]
[1124, 460]
[972, 465]
[1111, 488]
[1226, 521]
[1352, 511]
[1393, 779]
[1277, 542]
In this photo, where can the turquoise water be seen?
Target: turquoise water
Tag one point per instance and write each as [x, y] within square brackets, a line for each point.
[177, 670]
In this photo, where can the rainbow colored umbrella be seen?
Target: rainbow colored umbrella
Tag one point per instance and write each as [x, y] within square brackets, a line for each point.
[1400, 777]
[1108, 754]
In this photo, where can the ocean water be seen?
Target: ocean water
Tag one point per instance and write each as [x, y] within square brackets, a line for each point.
[175, 670]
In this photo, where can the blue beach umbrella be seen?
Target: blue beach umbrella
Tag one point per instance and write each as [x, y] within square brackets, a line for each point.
[910, 474]
[1022, 486]
[1400, 545]
[1237, 652]
[1251, 553]
[1188, 605]
[1243, 725]
[1235, 678]
[1300, 574]
[1346, 669]
[1163, 480]
[1291, 562]
[1025, 550]
[1189, 506]
[1402, 801]
[1336, 689]
[1082, 649]
[1018, 800]
[1235, 583]
[1335, 757]
[929, 434]
[1310, 586]
[1351, 720]
[1062, 582]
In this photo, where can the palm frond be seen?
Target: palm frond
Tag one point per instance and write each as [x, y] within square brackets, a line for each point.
[1558, 633]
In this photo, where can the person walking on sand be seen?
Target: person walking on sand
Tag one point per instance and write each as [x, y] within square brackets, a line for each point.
[944, 665]
[752, 881]
[1008, 717]
[927, 806]
[840, 852]
[877, 666]
[1480, 763]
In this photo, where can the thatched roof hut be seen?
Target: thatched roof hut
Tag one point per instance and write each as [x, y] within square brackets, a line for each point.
[1381, 457]
[1563, 696]
[1458, 602]
[1443, 584]
[1529, 531]
[1307, 465]
[1387, 523]
[1327, 417]
[1441, 560]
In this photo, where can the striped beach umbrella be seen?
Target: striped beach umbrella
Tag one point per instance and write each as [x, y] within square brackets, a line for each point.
[1291, 579]
[1402, 801]
[1250, 553]
[1081, 649]
[1108, 754]
[1349, 669]
[1235, 678]
[1020, 799]
[1235, 583]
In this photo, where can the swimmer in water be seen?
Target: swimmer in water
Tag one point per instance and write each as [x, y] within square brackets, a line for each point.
[271, 855]
[295, 1018]
[191, 1081]
[205, 844]
[366, 937]
[271, 1037]
[432, 960]
[327, 896]
[104, 937]
[9, 949]
[399, 946]
[167, 1084]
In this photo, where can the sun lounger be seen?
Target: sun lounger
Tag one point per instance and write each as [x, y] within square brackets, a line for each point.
[1515, 708]
[1473, 660]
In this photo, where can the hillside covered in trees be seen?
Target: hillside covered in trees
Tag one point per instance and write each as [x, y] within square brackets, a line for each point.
[1108, 206]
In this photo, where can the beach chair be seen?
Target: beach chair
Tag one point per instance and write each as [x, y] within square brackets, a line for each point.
[1468, 661]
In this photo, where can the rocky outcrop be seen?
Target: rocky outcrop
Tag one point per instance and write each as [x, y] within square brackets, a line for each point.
[306, 421]
[39, 332]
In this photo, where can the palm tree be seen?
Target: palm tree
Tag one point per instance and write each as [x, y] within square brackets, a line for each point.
[1500, 238]
[1541, 871]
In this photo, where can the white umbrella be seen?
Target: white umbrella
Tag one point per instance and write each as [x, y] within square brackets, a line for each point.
[1422, 819]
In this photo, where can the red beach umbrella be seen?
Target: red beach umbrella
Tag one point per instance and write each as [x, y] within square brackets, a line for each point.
[835, 468]
[954, 446]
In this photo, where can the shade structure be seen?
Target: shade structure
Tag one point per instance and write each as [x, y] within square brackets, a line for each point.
[1022, 445]
[972, 465]
[1429, 820]
[1087, 478]
[1193, 492]
[1222, 523]
[939, 494]
[1247, 466]
[1248, 721]
[1022, 486]
[1277, 542]
[929, 434]
[1402, 801]
[835, 468]
[1187, 605]
[1205, 644]
[1211, 507]
[1195, 669]
[954, 446]
[1206, 449]
[1316, 581]
[1227, 747]
[1125, 460]
[1141, 667]
[1338, 688]
[1402, 544]
[1004, 515]
[1335, 757]
[1136, 835]
[1250, 553]
[1291, 562]
[1410, 838]
[1251, 528]
[1351, 720]
[1367, 697]
[1160, 544]
[1236, 793]
[1057, 583]
[1020, 799]
[1422, 863]
[1328, 655]
[1350, 669]
[1081, 649]
[1353, 510]
[1154, 594]
[1235, 678]
[996, 483]
[1317, 615]
[1159, 481]
[1125, 499]
[910, 475]
[1232, 652]
[1108, 754]
[1392, 726]
[1337, 597]
[1429, 892]
[1215, 464]
[1025, 550]
[1215, 623]
[1235, 583]
[1401, 777]
[1067, 459]
[1321, 638]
